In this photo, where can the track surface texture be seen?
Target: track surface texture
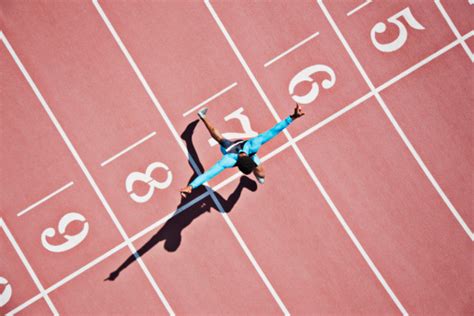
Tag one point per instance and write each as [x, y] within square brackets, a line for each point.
[367, 208]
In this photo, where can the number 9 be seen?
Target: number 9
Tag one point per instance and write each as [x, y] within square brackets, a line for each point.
[72, 241]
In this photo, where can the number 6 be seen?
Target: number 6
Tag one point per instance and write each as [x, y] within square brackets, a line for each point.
[305, 75]
[403, 34]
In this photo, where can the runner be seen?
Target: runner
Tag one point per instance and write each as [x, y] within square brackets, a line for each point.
[240, 153]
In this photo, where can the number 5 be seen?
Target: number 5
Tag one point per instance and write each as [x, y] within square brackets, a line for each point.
[403, 33]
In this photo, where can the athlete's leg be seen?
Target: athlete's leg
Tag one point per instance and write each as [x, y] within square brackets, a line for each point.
[212, 130]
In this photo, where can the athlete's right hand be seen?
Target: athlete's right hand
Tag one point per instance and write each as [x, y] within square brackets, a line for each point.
[186, 190]
[298, 112]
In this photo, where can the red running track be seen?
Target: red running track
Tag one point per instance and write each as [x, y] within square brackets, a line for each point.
[367, 207]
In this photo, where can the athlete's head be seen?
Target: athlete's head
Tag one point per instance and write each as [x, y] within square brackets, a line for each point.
[245, 164]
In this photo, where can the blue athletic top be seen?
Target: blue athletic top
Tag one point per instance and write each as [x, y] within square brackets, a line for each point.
[250, 148]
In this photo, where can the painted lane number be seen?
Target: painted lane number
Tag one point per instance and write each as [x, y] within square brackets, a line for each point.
[146, 178]
[71, 240]
[402, 35]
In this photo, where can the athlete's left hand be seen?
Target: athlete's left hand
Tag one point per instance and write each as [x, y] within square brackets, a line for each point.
[186, 190]
[298, 112]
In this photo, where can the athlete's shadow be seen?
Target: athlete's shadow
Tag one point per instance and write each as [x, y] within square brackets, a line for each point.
[170, 233]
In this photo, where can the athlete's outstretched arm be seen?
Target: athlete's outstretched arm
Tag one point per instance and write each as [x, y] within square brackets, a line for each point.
[256, 142]
[225, 162]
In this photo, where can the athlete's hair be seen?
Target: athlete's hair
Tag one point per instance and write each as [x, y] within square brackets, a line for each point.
[245, 164]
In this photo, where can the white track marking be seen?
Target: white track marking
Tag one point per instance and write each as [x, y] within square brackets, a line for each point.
[454, 30]
[424, 62]
[107, 254]
[24, 305]
[128, 148]
[142, 233]
[305, 163]
[183, 148]
[333, 116]
[29, 208]
[301, 136]
[359, 7]
[218, 94]
[69, 277]
[28, 266]
[83, 168]
[395, 123]
[291, 49]
[238, 174]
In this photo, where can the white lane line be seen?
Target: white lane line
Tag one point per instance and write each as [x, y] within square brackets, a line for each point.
[395, 123]
[141, 141]
[84, 169]
[423, 62]
[181, 144]
[238, 174]
[301, 136]
[359, 7]
[24, 305]
[350, 106]
[381, 88]
[140, 234]
[268, 63]
[305, 163]
[29, 208]
[28, 266]
[454, 30]
[163, 220]
[233, 228]
[107, 254]
[218, 94]
[333, 116]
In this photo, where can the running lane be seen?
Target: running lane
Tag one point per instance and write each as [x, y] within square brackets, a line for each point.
[38, 308]
[385, 48]
[442, 136]
[186, 60]
[199, 263]
[292, 50]
[89, 294]
[298, 240]
[460, 13]
[103, 107]
[36, 163]
[17, 285]
[391, 206]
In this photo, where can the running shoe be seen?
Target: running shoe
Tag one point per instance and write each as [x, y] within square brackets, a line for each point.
[202, 113]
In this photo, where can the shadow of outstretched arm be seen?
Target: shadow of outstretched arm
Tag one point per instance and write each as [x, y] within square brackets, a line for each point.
[171, 232]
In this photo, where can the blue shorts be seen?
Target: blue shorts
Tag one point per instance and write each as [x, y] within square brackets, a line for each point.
[234, 147]
[225, 144]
